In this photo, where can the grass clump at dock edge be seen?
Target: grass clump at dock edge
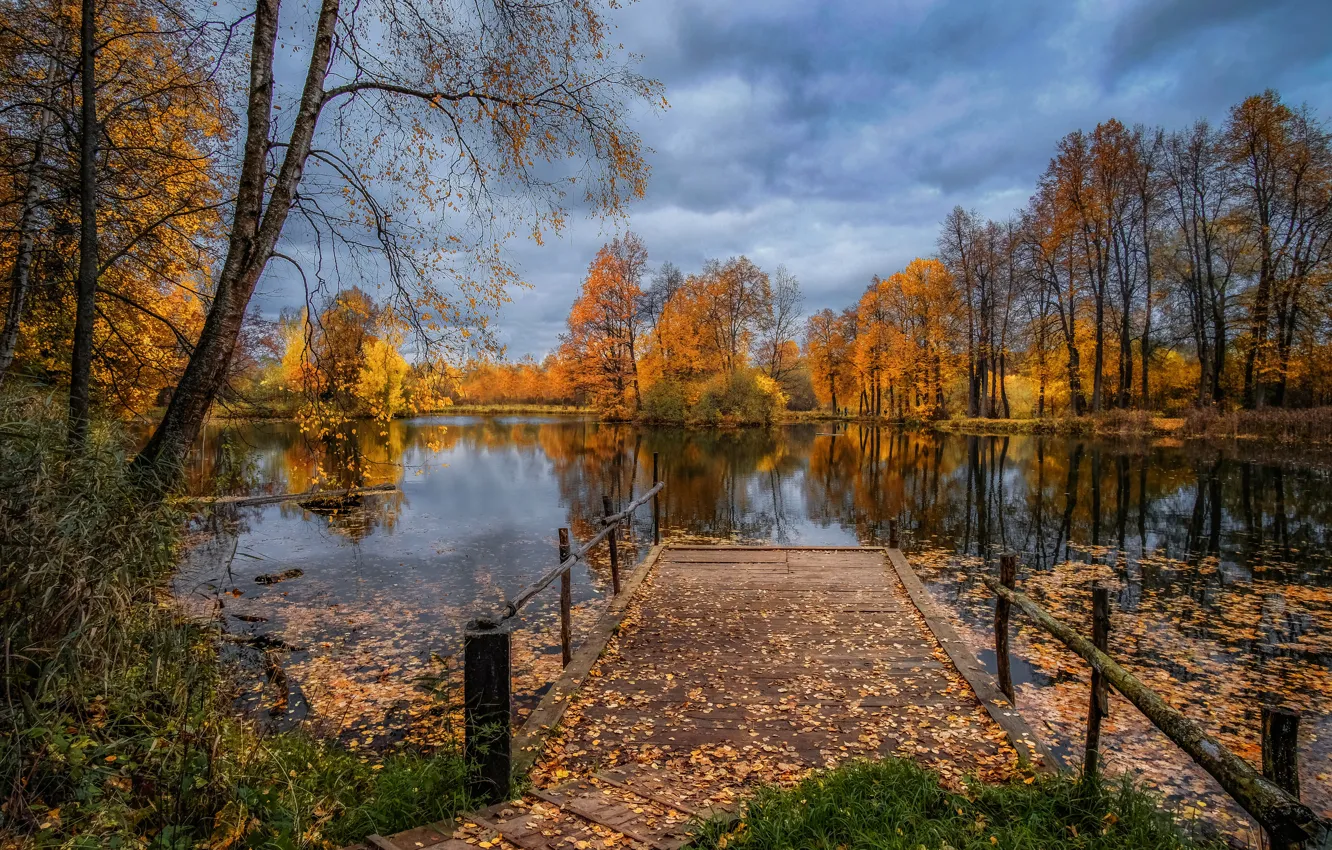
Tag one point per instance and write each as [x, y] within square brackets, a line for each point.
[896, 805]
[117, 726]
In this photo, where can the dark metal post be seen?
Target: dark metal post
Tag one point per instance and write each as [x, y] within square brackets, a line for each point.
[614, 548]
[1281, 764]
[566, 601]
[1099, 705]
[486, 709]
[656, 513]
[1008, 578]
[892, 534]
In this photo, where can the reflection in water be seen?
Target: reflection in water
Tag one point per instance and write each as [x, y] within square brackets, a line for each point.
[1219, 561]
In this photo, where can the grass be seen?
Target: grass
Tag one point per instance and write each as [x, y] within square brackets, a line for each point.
[897, 805]
[116, 719]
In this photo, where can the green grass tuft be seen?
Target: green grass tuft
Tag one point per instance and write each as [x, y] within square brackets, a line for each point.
[896, 805]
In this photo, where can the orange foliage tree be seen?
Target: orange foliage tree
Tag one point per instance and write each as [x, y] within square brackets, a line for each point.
[603, 327]
[828, 348]
[161, 122]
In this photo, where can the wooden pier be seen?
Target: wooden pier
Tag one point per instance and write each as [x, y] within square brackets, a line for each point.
[721, 668]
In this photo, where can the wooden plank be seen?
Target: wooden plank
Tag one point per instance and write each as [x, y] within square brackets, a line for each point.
[527, 743]
[853, 559]
[517, 833]
[647, 784]
[430, 837]
[1030, 747]
[730, 556]
[626, 811]
[712, 547]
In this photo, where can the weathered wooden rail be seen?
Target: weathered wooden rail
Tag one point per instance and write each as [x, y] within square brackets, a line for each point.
[487, 674]
[1271, 797]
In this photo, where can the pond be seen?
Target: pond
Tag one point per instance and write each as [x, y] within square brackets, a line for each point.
[1217, 558]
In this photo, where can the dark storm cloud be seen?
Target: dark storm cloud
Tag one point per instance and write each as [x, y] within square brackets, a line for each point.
[834, 136]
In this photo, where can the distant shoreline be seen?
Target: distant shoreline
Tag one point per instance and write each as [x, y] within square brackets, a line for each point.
[275, 415]
[1308, 427]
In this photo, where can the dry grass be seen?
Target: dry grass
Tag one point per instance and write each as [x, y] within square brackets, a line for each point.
[1311, 426]
[1110, 423]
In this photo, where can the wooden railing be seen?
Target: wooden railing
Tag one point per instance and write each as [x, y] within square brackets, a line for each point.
[487, 673]
[1272, 797]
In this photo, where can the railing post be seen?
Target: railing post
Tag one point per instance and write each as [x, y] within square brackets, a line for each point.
[566, 601]
[614, 548]
[486, 709]
[1008, 578]
[892, 534]
[656, 512]
[1281, 764]
[1099, 705]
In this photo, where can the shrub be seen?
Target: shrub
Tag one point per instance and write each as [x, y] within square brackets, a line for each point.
[666, 402]
[1125, 422]
[744, 397]
[83, 556]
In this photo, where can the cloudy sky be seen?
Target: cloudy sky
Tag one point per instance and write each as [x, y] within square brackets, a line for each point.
[832, 136]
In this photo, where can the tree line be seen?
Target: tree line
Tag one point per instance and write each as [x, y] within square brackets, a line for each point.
[1151, 269]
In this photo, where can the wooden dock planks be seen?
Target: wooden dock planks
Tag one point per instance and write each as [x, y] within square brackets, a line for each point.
[722, 668]
[738, 666]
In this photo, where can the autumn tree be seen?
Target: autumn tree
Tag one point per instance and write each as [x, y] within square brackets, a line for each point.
[877, 347]
[778, 325]
[664, 284]
[1206, 249]
[454, 103]
[1115, 173]
[1150, 187]
[674, 348]
[736, 297]
[1282, 160]
[930, 311]
[974, 252]
[829, 352]
[603, 328]
[627, 265]
[1049, 243]
[1036, 305]
[113, 227]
